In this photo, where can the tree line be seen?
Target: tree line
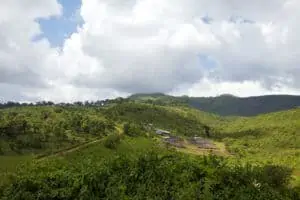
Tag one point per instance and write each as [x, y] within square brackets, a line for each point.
[10, 104]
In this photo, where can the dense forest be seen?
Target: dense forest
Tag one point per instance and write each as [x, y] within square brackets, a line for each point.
[110, 150]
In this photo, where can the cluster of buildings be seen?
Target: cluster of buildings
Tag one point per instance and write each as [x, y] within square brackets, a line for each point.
[179, 142]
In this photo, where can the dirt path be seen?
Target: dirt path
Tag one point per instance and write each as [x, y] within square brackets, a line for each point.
[75, 148]
[69, 150]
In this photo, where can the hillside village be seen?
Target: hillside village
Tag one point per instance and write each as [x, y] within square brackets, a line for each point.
[180, 142]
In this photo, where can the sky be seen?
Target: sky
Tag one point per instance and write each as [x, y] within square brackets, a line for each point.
[70, 50]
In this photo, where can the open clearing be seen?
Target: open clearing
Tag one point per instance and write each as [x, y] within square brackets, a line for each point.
[194, 149]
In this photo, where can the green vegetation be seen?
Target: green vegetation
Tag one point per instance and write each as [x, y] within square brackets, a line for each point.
[10, 164]
[36, 129]
[268, 138]
[96, 151]
[26, 132]
[133, 130]
[178, 120]
[248, 106]
[226, 104]
[150, 175]
[112, 141]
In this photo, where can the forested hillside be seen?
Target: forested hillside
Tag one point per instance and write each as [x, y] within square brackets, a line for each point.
[179, 120]
[273, 137]
[227, 105]
[39, 128]
[111, 151]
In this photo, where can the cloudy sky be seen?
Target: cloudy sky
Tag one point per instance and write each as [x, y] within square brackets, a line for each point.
[63, 50]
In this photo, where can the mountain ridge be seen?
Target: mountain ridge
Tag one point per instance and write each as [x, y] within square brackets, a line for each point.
[226, 104]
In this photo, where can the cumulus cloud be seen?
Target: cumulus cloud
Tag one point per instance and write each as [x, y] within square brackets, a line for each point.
[22, 61]
[133, 46]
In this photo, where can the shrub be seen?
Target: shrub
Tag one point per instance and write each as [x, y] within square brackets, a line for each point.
[1, 149]
[133, 130]
[112, 141]
[150, 175]
[277, 176]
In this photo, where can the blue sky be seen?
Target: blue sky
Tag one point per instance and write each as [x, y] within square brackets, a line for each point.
[56, 29]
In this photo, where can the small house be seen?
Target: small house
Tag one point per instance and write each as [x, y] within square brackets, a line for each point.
[162, 132]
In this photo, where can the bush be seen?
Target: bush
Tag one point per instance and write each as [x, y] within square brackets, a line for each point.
[112, 141]
[133, 130]
[150, 175]
[1, 149]
[277, 176]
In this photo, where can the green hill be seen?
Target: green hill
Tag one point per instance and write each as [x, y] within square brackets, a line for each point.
[248, 106]
[227, 105]
[49, 128]
[89, 151]
[273, 137]
[180, 120]
[266, 138]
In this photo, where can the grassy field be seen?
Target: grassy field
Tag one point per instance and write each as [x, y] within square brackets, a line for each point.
[98, 151]
[9, 164]
[268, 138]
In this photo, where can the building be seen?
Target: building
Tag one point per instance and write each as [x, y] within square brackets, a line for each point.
[162, 132]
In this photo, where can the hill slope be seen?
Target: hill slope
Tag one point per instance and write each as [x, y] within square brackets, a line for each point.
[180, 120]
[248, 106]
[227, 105]
[139, 165]
[35, 129]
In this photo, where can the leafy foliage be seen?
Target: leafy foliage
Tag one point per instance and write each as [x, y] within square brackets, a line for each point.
[159, 116]
[24, 129]
[269, 138]
[112, 141]
[150, 175]
[133, 130]
[112, 168]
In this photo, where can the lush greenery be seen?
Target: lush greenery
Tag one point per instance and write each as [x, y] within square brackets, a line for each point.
[273, 137]
[175, 119]
[36, 128]
[226, 104]
[150, 175]
[28, 131]
[111, 152]
[112, 141]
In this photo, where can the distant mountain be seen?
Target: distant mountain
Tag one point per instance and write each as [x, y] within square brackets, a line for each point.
[227, 105]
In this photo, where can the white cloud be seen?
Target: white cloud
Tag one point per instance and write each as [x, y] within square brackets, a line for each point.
[207, 87]
[21, 59]
[61, 92]
[153, 46]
